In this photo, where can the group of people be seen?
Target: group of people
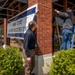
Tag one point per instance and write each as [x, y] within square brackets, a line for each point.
[30, 39]
[67, 27]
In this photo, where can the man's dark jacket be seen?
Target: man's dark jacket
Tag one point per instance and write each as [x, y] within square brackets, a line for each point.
[29, 41]
[68, 19]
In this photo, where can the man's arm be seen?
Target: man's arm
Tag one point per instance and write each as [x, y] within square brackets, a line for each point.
[62, 14]
[26, 43]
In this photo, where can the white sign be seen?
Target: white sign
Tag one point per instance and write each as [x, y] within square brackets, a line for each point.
[17, 26]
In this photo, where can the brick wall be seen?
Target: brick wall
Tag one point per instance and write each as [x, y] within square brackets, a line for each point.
[44, 26]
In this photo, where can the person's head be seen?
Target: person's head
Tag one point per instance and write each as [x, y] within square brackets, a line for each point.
[69, 9]
[32, 25]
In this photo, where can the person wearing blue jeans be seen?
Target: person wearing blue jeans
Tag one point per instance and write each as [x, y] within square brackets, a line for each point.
[66, 43]
[67, 18]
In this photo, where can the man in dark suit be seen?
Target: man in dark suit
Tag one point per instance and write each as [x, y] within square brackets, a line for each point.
[29, 46]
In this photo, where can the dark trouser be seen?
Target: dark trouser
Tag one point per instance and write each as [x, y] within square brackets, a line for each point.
[66, 43]
[30, 66]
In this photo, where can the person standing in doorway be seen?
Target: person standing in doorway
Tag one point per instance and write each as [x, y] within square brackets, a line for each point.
[29, 46]
[67, 28]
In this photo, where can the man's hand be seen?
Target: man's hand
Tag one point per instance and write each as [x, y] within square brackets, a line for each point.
[56, 11]
[28, 59]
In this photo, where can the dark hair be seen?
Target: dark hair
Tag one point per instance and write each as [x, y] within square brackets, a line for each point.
[31, 24]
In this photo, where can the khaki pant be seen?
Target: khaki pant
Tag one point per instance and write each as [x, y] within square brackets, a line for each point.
[30, 66]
